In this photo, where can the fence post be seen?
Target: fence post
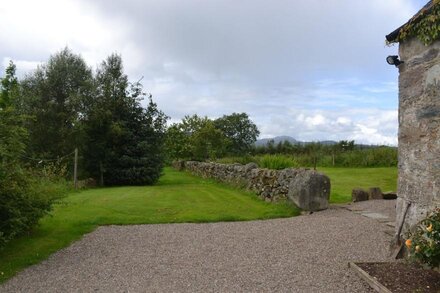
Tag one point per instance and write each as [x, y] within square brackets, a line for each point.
[75, 170]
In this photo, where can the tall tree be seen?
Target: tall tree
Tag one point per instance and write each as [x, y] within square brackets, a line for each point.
[9, 86]
[240, 130]
[13, 134]
[192, 124]
[195, 138]
[124, 140]
[179, 137]
[208, 142]
[56, 97]
[177, 143]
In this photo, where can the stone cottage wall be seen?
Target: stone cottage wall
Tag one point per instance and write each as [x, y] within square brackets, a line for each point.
[419, 130]
[308, 189]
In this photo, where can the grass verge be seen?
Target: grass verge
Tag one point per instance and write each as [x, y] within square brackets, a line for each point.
[343, 180]
[178, 197]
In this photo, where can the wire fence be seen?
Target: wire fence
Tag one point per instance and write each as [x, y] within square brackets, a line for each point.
[48, 160]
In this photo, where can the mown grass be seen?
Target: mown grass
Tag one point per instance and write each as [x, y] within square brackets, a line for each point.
[178, 197]
[343, 180]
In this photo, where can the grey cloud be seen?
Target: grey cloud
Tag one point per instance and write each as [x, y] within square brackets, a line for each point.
[276, 60]
[261, 41]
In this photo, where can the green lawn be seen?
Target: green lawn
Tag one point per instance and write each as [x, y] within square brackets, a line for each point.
[343, 180]
[179, 197]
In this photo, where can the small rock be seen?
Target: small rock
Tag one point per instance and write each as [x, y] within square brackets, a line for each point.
[375, 193]
[389, 195]
[358, 194]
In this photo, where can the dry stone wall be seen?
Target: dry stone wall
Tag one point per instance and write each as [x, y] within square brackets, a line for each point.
[308, 189]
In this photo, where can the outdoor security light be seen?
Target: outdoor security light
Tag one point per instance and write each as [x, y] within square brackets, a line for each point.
[394, 60]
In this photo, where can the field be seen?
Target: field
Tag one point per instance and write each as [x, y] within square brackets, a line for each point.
[343, 180]
[179, 197]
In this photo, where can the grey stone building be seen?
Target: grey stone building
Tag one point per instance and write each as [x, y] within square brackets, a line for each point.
[419, 114]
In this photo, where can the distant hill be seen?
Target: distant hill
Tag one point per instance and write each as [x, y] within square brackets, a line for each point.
[276, 139]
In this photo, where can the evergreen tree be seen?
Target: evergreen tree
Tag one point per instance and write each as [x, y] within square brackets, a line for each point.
[124, 140]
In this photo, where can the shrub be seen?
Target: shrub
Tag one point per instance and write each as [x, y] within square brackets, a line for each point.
[424, 241]
[25, 197]
[372, 157]
[240, 160]
[277, 162]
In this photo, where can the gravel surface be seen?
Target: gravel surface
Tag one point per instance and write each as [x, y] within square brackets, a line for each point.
[302, 254]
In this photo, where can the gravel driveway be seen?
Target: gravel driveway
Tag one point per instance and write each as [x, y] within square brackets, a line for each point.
[302, 254]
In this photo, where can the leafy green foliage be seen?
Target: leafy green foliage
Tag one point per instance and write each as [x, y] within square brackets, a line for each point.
[426, 26]
[9, 87]
[124, 141]
[240, 130]
[424, 241]
[178, 197]
[199, 138]
[240, 160]
[208, 142]
[23, 201]
[342, 154]
[183, 139]
[276, 162]
[177, 143]
[56, 97]
[372, 157]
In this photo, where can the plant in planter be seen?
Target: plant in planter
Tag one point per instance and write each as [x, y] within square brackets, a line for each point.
[423, 242]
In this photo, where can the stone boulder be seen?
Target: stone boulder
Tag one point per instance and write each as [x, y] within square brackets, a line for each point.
[375, 193]
[358, 194]
[310, 190]
[248, 167]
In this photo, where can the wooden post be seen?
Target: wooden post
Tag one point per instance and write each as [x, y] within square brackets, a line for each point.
[101, 171]
[75, 170]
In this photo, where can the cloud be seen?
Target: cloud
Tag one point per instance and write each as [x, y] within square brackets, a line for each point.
[23, 66]
[32, 30]
[319, 112]
[368, 126]
[277, 61]
[280, 41]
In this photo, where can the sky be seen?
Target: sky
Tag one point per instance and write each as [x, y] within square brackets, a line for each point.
[310, 69]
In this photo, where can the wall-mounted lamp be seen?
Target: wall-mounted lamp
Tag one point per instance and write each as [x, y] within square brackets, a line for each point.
[394, 60]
